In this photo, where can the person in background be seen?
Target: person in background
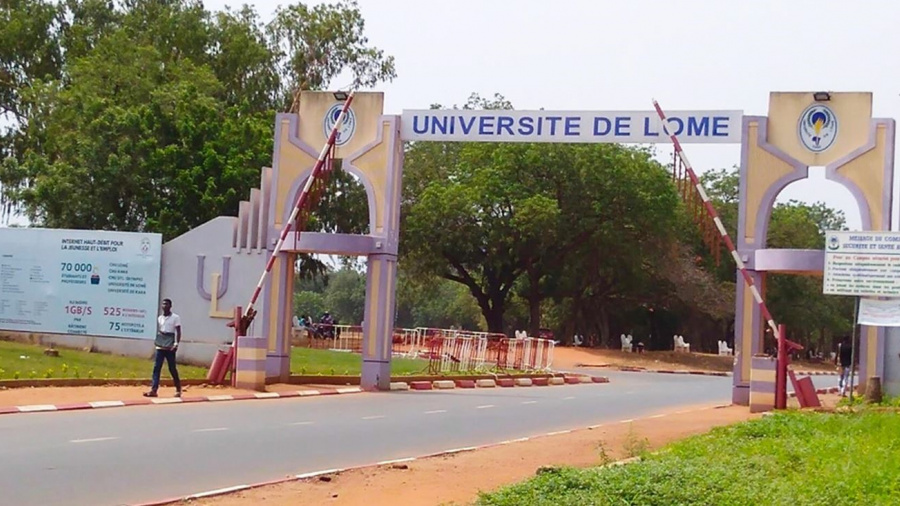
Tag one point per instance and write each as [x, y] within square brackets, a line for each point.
[168, 337]
[844, 358]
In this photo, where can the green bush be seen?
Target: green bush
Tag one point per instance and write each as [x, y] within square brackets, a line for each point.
[789, 458]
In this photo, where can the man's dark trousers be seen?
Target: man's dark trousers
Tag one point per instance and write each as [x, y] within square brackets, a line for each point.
[167, 356]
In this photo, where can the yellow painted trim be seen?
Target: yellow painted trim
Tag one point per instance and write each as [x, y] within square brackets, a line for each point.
[275, 277]
[214, 300]
[766, 375]
[389, 342]
[258, 354]
[373, 308]
[871, 352]
[762, 398]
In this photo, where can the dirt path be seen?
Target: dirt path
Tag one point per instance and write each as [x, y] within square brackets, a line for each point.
[570, 358]
[457, 479]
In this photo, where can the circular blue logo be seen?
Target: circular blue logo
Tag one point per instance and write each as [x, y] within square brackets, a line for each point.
[347, 127]
[817, 128]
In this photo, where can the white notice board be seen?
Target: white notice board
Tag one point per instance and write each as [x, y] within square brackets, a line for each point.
[879, 313]
[862, 264]
[79, 282]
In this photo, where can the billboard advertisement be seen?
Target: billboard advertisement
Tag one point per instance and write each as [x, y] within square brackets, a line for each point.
[79, 282]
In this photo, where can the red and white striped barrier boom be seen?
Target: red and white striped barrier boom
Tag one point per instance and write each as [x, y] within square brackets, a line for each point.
[301, 200]
[711, 211]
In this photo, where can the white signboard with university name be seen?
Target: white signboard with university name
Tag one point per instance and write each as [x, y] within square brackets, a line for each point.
[634, 127]
[862, 264]
[79, 282]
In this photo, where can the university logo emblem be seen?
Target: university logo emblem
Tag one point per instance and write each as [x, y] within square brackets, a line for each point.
[347, 128]
[818, 128]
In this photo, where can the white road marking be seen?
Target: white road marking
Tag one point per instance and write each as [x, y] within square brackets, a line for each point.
[657, 416]
[37, 407]
[627, 421]
[93, 440]
[529, 402]
[211, 429]
[106, 404]
[486, 406]
[301, 423]
[219, 491]
[316, 473]
[459, 450]
[220, 398]
[395, 461]
[375, 417]
[568, 398]
[267, 395]
[435, 411]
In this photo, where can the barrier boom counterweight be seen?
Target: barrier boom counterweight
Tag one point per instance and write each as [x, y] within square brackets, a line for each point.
[302, 199]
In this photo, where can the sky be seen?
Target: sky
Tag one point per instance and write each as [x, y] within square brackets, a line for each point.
[620, 55]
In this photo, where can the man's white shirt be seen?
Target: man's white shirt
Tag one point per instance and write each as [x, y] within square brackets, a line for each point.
[169, 323]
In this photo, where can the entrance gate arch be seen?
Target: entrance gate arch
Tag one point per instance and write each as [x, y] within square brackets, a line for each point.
[371, 147]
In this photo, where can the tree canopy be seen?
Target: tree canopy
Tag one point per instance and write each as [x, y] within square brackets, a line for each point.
[149, 115]
[157, 116]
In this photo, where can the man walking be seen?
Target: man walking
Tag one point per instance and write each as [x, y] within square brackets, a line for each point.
[845, 358]
[168, 337]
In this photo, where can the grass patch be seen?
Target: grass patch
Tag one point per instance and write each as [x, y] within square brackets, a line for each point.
[326, 362]
[77, 364]
[312, 361]
[81, 364]
[789, 458]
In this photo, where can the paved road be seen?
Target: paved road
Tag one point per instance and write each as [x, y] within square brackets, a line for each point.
[136, 454]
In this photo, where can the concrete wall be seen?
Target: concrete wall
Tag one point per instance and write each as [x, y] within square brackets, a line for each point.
[206, 276]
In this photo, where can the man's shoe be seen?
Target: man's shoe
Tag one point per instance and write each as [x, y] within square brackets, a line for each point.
[150, 394]
[178, 393]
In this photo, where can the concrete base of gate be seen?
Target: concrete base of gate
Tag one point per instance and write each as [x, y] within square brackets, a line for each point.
[250, 373]
[376, 375]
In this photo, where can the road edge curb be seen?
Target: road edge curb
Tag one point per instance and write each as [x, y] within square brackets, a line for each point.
[162, 401]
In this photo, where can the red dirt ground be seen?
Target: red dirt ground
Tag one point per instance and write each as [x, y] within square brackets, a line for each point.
[457, 479]
[570, 357]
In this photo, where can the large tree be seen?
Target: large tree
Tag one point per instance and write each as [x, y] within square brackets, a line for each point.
[157, 116]
[487, 215]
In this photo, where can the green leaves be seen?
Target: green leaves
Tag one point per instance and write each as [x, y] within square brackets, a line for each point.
[158, 116]
[317, 43]
[486, 214]
[797, 458]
